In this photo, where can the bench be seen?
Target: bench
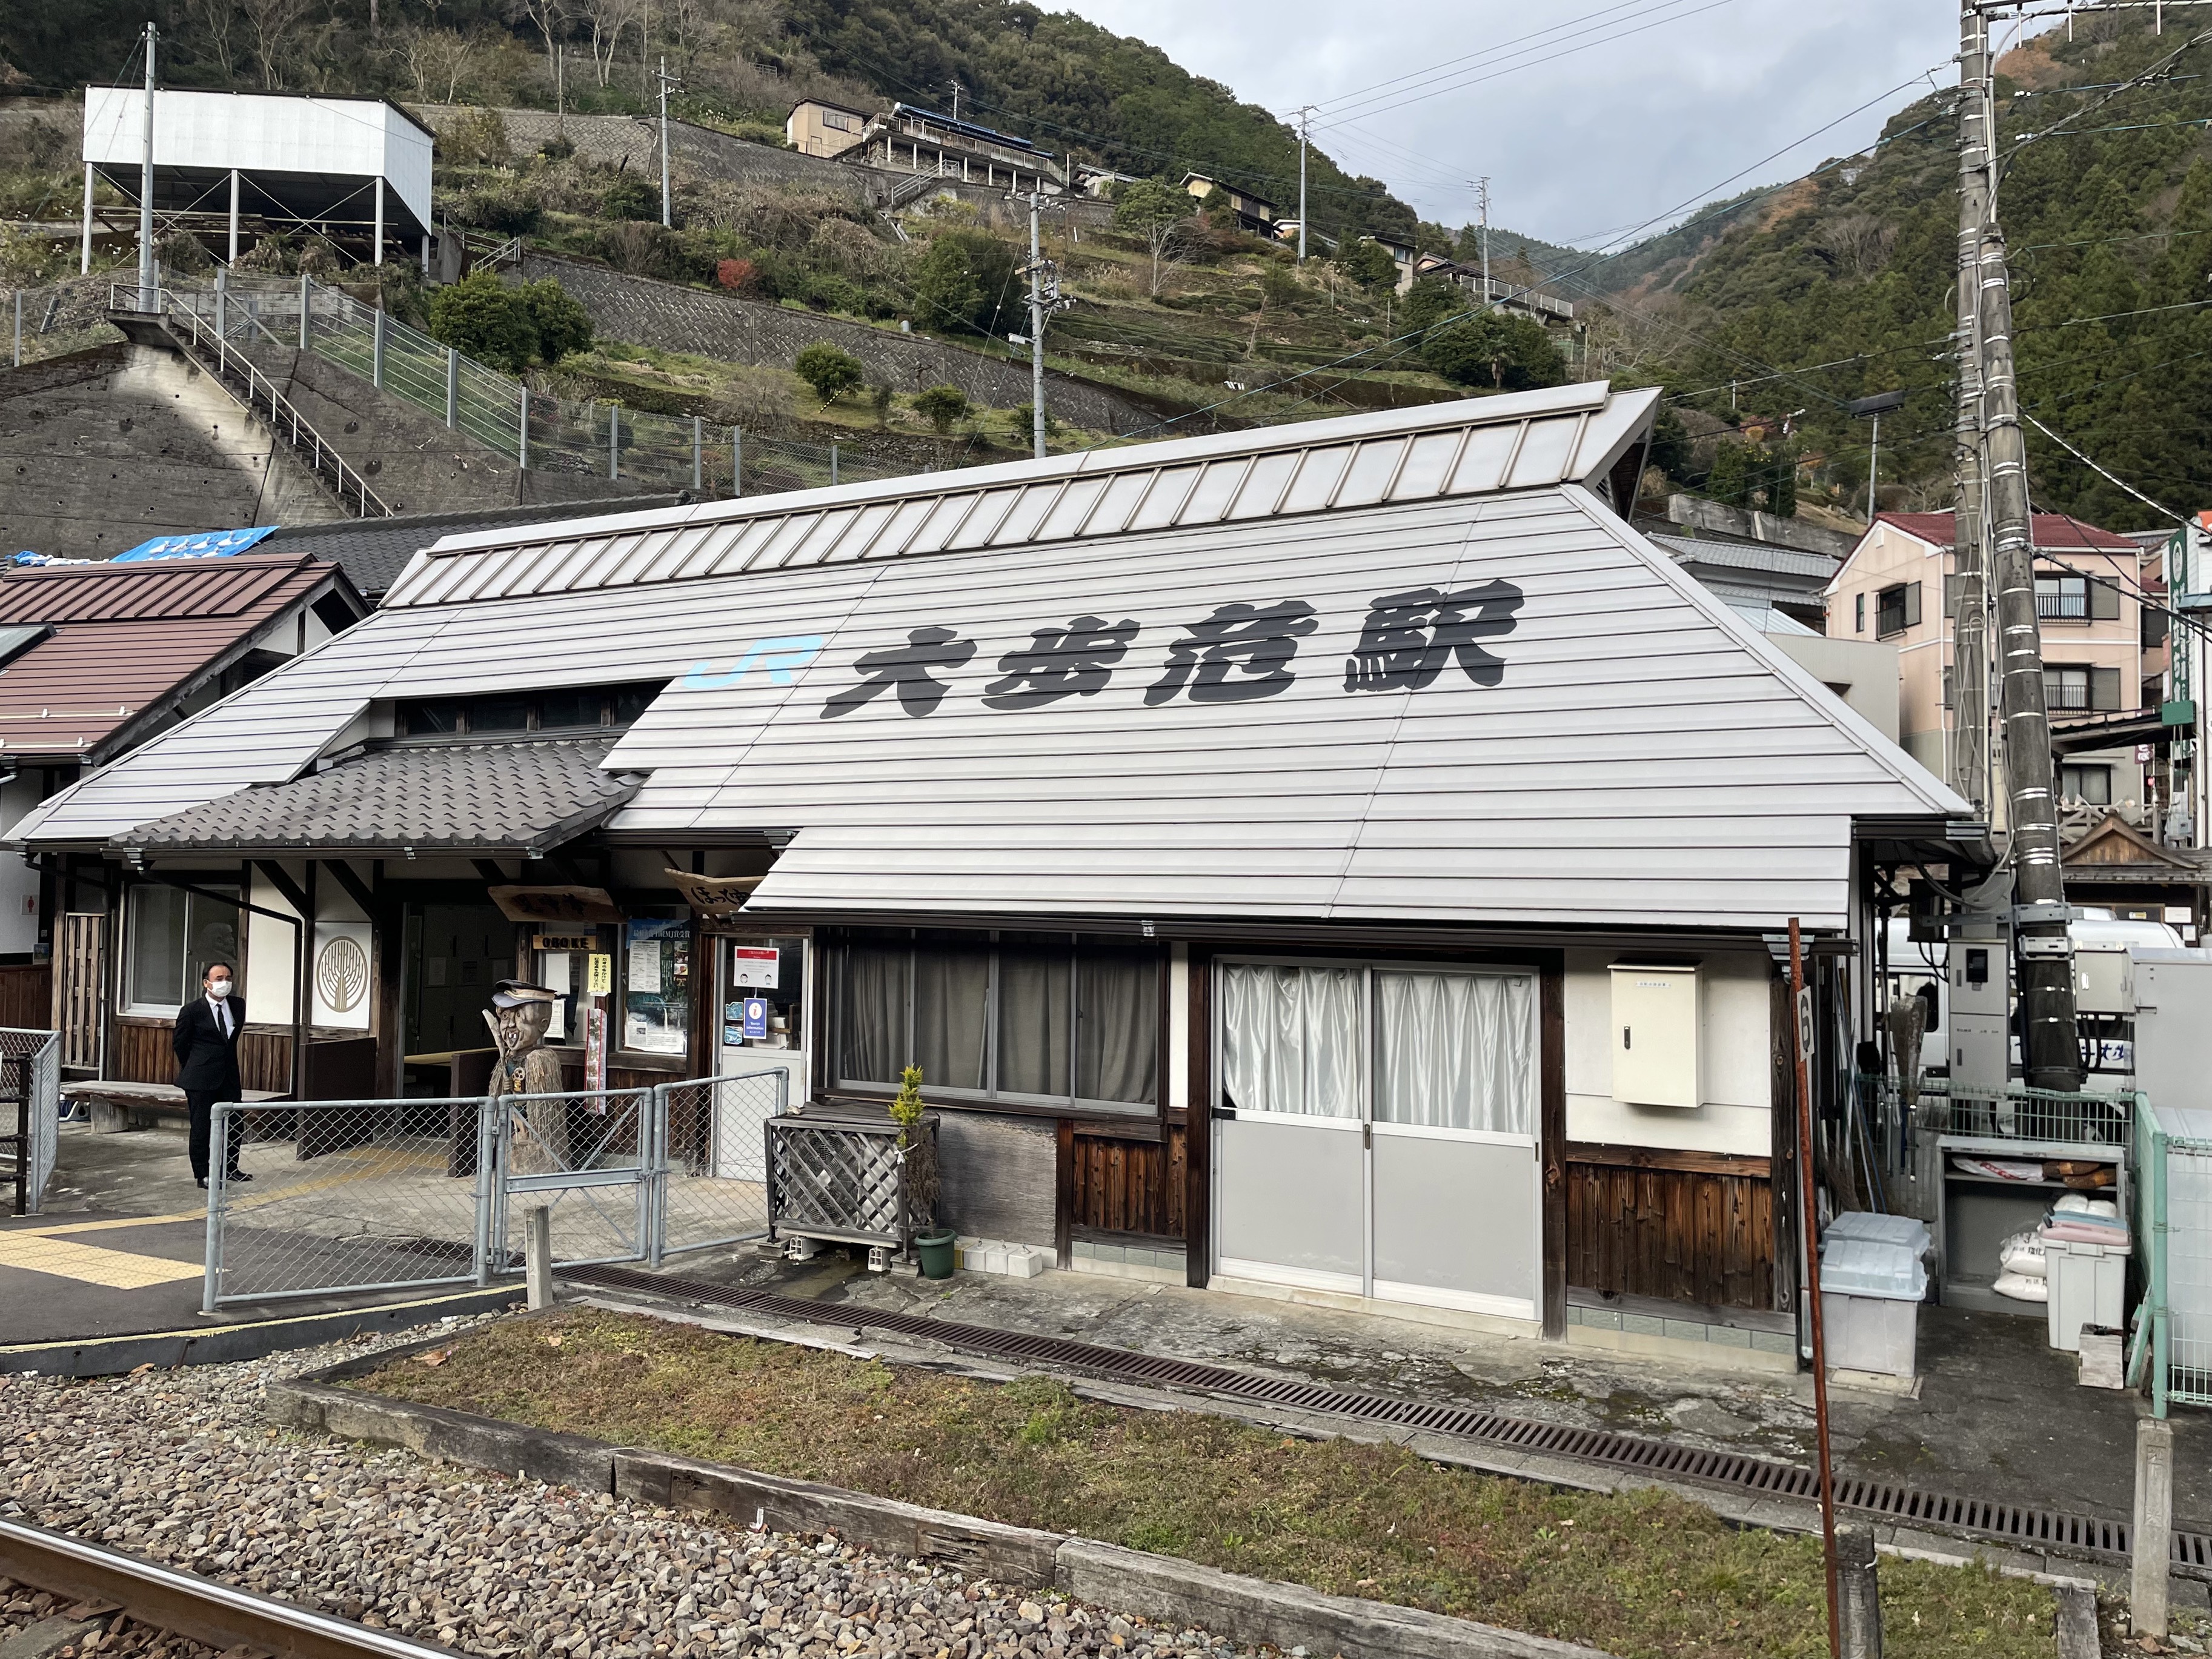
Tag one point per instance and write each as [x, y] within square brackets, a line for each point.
[114, 1105]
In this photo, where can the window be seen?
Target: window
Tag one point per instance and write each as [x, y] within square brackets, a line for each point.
[2077, 689]
[1035, 1018]
[1858, 613]
[1428, 1047]
[838, 121]
[175, 937]
[656, 970]
[1896, 609]
[2093, 783]
[576, 711]
[773, 969]
[2062, 599]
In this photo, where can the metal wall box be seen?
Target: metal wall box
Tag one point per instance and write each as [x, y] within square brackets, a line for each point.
[1657, 1036]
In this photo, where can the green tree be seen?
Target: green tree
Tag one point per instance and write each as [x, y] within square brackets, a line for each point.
[1730, 482]
[962, 282]
[481, 317]
[1670, 445]
[1370, 265]
[831, 372]
[1430, 302]
[558, 317]
[1782, 480]
[1159, 215]
[1495, 351]
[941, 405]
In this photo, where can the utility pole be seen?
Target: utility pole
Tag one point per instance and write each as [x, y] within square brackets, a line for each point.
[1970, 649]
[955, 100]
[2045, 965]
[663, 78]
[1305, 122]
[1482, 200]
[1044, 298]
[148, 300]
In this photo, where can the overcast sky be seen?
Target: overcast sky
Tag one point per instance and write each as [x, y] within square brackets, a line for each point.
[1611, 111]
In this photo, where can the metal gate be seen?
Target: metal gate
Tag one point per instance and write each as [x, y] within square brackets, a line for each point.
[30, 1081]
[358, 1196]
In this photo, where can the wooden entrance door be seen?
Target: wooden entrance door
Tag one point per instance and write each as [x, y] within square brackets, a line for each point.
[80, 974]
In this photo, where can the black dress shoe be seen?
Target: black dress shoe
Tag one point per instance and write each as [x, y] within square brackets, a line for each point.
[236, 1175]
[203, 1180]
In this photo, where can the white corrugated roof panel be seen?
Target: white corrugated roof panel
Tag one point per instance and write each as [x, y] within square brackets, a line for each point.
[1502, 706]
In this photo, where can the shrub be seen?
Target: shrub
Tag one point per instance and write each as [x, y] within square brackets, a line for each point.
[1370, 265]
[509, 212]
[738, 276]
[481, 317]
[830, 293]
[831, 372]
[559, 148]
[941, 405]
[631, 198]
[1492, 351]
[962, 281]
[478, 139]
[558, 319]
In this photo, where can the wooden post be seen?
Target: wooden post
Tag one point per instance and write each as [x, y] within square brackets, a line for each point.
[1808, 1203]
[537, 1255]
[2154, 1533]
[1861, 1612]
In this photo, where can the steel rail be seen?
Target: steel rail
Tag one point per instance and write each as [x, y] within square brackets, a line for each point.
[220, 1616]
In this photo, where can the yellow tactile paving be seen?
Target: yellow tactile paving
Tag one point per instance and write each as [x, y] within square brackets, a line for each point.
[119, 1270]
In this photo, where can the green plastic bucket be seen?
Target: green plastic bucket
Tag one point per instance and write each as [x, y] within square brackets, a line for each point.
[935, 1249]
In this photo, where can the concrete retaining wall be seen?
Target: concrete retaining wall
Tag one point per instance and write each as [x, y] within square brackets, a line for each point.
[635, 141]
[670, 317]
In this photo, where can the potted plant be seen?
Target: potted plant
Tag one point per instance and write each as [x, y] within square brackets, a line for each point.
[918, 1151]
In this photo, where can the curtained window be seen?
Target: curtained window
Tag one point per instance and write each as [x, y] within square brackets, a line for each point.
[1037, 1018]
[1438, 1049]
[175, 938]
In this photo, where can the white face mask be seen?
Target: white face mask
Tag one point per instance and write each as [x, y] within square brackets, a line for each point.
[218, 987]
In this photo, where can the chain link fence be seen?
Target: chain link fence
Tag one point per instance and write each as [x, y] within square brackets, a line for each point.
[56, 319]
[345, 1195]
[359, 1195]
[30, 1082]
[549, 433]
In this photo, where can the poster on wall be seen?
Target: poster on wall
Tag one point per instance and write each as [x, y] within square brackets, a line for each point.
[595, 1049]
[755, 964]
[341, 974]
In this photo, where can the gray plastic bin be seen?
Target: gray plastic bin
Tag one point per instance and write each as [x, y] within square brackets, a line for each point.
[1870, 1295]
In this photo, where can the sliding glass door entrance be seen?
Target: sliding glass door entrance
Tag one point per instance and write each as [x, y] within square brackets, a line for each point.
[1375, 1130]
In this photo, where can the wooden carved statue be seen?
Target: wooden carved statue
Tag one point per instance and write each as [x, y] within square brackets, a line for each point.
[520, 1017]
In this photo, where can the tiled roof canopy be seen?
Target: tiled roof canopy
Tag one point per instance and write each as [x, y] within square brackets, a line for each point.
[488, 798]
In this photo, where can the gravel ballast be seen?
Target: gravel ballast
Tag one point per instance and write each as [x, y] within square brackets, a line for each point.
[178, 1467]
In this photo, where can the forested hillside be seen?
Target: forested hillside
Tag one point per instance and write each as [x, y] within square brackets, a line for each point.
[1064, 83]
[1841, 284]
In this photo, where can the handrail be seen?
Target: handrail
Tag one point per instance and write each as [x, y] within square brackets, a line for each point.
[280, 408]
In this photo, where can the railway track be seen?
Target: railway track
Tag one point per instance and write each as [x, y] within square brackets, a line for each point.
[201, 1609]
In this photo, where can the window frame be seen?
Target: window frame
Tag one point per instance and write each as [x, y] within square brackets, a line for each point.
[1859, 609]
[618, 1037]
[992, 1097]
[1370, 1034]
[126, 1001]
[1907, 610]
[2068, 597]
[2063, 671]
[2077, 768]
[533, 724]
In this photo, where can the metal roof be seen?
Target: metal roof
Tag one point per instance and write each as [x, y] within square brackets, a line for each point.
[1473, 446]
[374, 551]
[1766, 556]
[1501, 706]
[127, 641]
[489, 798]
[2052, 532]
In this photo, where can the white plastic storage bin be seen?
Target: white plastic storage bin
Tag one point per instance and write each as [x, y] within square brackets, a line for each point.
[1870, 1294]
[1904, 1231]
[2088, 1286]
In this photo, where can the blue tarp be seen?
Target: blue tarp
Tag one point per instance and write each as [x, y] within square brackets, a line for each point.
[206, 544]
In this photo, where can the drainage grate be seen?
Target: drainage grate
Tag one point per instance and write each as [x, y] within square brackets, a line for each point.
[2009, 1523]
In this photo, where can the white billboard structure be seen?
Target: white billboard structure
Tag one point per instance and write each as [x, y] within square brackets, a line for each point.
[340, 166]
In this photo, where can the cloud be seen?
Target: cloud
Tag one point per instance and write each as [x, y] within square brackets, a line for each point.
[1612, 115]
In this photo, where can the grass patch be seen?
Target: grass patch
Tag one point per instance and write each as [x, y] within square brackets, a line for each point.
[1643, 1574]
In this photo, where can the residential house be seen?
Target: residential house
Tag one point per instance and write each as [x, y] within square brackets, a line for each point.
[906, 138]
[1254, 213]
[818, 127]
[1344, 859]
[1898, 584]
[95, 659]
[1508, 296]
[1403, 254]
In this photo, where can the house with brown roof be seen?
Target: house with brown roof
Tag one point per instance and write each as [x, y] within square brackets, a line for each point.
[1898, 585]
[95, 659]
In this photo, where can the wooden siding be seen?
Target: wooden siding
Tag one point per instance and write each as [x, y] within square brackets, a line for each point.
[1130, 1186]
[144, 1053]
[27, 996]
[82, 959]
[1685, 1235]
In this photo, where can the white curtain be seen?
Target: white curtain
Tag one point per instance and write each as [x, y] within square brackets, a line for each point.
[1290, 1039]
[1456, 1051]
[1118, 1019]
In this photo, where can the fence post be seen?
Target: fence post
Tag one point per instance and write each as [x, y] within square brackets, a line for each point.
[614, 441]
[488, 1176]
[1859, 1591]
[2153, 1537]
[2161, 1325]
[653, 1158]
[537, 1255]
[737, 462]
[305, 301]
[18, 341]
[376, 349]
[452, 387]
[218, 1161]
[698, 430]
[522, 431]
[833, 464]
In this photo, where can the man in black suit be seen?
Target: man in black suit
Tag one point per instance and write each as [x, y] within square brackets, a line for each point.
[206, 1041]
